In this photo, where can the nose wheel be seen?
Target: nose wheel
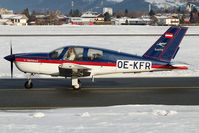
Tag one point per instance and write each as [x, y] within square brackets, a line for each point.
[28, 84]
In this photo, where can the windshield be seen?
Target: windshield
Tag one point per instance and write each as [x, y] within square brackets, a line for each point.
[56, 53]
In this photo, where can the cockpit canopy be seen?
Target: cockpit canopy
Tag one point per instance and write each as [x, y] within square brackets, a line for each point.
[76, 53]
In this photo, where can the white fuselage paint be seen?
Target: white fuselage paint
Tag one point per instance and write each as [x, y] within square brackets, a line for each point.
[38, 68]
[53, 68]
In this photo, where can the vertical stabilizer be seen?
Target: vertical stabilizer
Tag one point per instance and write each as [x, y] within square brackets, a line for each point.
[167, 46]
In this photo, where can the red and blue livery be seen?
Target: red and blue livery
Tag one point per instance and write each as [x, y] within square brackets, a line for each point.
[83, 61]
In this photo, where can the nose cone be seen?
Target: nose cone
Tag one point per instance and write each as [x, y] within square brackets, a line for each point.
[10, 58]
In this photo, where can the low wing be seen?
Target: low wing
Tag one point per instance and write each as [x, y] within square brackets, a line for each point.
[71, 69]
[72, 66]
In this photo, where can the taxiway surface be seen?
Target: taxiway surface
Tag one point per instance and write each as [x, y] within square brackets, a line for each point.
[57, 93]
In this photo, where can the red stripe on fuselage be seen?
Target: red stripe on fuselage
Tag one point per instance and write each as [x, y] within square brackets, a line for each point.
[62, 61]
[169, 67]
[89, 63]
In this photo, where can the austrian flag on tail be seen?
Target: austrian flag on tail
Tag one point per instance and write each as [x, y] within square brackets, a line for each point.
[169, 35]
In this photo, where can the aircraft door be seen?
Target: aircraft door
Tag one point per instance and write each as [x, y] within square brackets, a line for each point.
[96, 56]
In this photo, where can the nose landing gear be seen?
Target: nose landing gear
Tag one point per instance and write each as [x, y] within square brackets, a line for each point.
[28, 84]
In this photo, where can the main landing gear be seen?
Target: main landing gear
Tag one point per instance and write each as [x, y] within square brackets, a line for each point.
[76, 83]
[28, 84]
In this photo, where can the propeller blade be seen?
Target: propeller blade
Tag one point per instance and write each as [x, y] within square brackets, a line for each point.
[11, 63]
[11, 66]
[10, 47]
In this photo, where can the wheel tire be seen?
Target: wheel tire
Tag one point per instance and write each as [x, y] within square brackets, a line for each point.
[27, 85]
[77, 87]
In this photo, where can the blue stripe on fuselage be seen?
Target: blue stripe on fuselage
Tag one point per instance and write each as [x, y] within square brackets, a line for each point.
[33, 55]
[109, 56]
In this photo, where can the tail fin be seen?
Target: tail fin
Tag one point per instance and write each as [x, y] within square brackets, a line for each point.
[167, 46]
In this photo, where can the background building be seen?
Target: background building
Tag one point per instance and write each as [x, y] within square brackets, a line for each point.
[15, 19]
[172, 21]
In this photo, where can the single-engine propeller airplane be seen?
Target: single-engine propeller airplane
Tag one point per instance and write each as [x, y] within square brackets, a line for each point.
[82, 61]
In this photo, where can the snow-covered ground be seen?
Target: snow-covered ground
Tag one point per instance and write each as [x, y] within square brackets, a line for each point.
[130, 44]
[100, 29]
[115, 119]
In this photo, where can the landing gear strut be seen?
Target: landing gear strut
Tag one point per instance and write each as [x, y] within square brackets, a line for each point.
[28, 84]
[76, 83]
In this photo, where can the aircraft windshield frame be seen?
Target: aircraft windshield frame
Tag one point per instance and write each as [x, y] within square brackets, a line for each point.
[55, 54]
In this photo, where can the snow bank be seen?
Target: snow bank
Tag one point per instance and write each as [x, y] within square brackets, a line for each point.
[117, 119]
[99, 29]
[164, 112]
[38, 115]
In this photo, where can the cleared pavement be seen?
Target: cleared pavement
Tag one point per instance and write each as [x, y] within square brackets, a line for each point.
[57, 93]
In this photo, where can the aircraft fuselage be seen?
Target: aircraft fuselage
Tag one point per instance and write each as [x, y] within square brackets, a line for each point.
[111, 62]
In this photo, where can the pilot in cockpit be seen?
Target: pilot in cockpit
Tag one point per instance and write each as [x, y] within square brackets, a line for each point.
[71, 54]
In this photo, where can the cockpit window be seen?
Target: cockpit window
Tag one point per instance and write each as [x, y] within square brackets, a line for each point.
[56, 53]
[94, 54]
[74, 54]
